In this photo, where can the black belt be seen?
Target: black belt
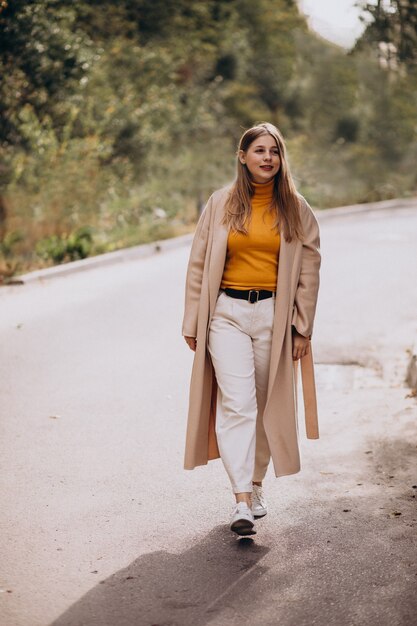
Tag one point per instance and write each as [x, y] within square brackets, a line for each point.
[250, 295]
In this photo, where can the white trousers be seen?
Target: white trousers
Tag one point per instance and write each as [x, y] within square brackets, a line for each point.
[239, 343]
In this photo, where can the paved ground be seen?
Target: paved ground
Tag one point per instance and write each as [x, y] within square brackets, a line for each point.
[99, 523]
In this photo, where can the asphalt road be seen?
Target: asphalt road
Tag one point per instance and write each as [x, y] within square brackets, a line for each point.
[99, 523]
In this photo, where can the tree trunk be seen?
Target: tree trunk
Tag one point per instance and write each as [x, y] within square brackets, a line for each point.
[3, 217]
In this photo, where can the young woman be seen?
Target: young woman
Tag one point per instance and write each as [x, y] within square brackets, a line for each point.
[250, 300]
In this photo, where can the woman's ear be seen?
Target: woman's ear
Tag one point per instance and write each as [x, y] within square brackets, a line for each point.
[241, 157]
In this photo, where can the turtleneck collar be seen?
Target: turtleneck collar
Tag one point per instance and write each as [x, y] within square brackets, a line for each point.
[263, 190]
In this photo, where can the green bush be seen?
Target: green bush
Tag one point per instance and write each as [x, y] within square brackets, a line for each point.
[76, 245]
[9, 241]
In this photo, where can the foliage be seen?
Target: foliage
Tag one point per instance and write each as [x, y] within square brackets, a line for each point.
[43, 58]
[67, 247]
[6, 245]
[124, 116]
[392, 22]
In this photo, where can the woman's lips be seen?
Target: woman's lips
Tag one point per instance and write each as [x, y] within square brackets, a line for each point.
[267, 167]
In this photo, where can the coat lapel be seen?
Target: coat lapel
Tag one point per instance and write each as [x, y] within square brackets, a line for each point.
[217, 257]
[285, 264]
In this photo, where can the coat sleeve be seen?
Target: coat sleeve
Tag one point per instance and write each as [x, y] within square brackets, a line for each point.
[195, 272]
[308, 283]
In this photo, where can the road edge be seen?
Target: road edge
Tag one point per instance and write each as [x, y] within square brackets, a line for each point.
[156, 247]
[107, 258]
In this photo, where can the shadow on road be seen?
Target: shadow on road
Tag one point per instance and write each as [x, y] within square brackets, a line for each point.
[162, 588]
[341, 556]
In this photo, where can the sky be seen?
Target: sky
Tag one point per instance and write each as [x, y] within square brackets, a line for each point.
[336, 20]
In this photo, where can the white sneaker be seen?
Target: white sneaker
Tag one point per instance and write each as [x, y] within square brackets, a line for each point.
[259, 504]
[242, 521]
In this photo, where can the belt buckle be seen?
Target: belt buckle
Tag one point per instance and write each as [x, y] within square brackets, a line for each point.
[257, 296]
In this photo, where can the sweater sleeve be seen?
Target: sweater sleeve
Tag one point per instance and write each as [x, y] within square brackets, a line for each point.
[195, 269]
[308, 283]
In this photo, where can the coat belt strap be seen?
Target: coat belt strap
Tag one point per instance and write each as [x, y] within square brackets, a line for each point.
[309, 394]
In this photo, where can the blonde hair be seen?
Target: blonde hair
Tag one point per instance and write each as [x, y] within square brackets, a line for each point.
[285, 199]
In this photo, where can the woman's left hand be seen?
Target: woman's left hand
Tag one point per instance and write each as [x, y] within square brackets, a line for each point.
[300, 345]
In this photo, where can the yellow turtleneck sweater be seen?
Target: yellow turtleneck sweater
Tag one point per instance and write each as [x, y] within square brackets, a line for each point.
[252, 259]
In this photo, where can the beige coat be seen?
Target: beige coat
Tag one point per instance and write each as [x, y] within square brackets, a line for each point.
[297, 289]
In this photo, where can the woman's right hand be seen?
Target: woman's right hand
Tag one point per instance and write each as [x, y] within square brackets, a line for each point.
[191, 342]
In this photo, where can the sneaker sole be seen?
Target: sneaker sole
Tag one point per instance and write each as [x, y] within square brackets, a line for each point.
[243, 527]
[260, 513]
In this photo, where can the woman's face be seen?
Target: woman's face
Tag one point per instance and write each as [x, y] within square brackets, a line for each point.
[261, 159]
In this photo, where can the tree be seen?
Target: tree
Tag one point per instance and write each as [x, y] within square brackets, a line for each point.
[43, 58]
[392, 23]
